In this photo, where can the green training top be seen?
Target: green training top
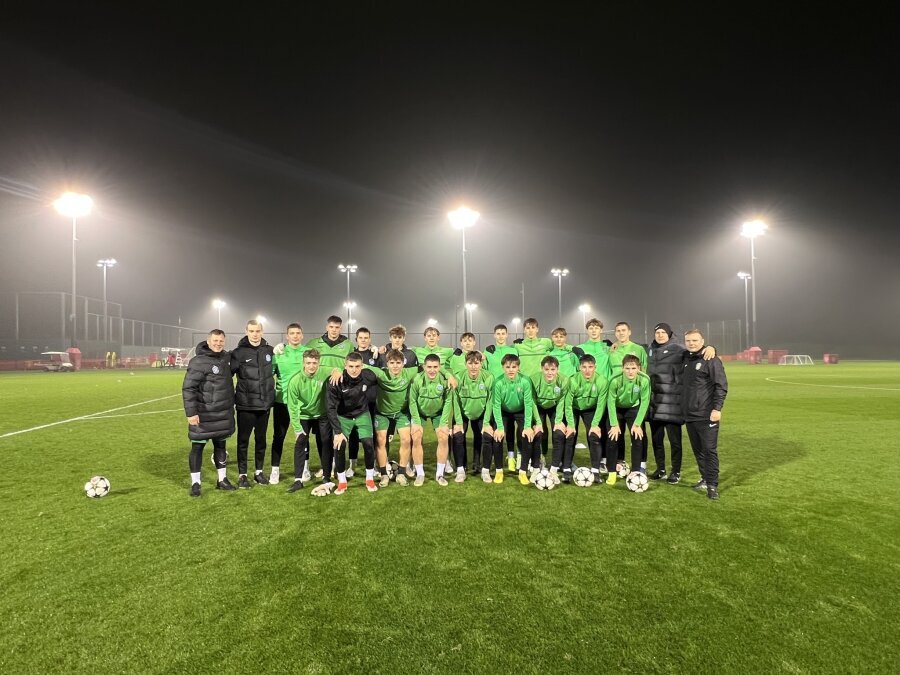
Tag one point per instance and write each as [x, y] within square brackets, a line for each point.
[530, 354]
[600, 351]
[286, 366]
[306, 396]
[556, 394]
[393, 391]
[625, 393]
[332, 356]
[513, 396]
[430, 398]
[568, 360]
[494, 358]
[615, 358]
[444, 354]
[472, 396]
[589, 393]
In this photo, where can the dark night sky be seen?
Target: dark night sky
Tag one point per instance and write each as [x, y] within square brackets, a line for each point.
[245, 155]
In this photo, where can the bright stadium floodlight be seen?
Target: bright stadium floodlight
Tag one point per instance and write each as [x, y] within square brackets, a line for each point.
[584, 309]
[74, 206]
[461, 219]
[218, 305]
[106, 263]
[348, 270]
[559, 274]
[261, 320]
[431, 323]
[470, 308]
[745, 277]
[752, 229]
[349, 306]
[515, 322]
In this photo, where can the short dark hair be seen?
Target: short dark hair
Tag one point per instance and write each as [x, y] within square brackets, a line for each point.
[551, 360]
[531, 322]
[431, 358]
[217, 331]
[394, 355]
[353, 356]
[465, 335]
[398, 331]
[509, 358]
[474, 356]
[631, 358]
[312, 354]
[334, 318]
[594, 322]
[362, 329]
[624, 323]
[559, 331]
[431, 328]
[587, 358]
[500, 326]
[293, 325]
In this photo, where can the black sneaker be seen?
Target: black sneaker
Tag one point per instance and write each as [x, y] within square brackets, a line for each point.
[243, 482]
[700, 484]
[195, 490]
[712, 492]
[226, 485]
[567, 477]
[296, 485]
[659, 474]
[261, 478]
[674, 478]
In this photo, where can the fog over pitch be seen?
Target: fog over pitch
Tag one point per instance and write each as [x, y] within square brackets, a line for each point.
[245, 156]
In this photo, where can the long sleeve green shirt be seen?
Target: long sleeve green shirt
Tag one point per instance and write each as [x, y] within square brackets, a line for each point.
[495, 356]
[473, 396]
[588, 394]
[513, 396]
[393, 391]
[530, 354]
[287, 364]
[568, 360]
[625, 393]
[600, 351]
[306, 396]
[616, 357]
[555, 394]
[430, 398]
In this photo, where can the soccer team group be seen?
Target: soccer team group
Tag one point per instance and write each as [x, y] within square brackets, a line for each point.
[529, 397]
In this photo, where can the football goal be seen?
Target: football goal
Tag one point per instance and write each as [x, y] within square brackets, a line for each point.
[795, 360]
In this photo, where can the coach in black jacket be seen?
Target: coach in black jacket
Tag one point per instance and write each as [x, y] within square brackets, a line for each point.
[705, 388]
[254, 396]
[665, 364]
[208, 395]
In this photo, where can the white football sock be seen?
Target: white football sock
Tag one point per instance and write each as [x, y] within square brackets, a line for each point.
[221, 473]
[342, 477]
[276, 471]
[553, 469]
[370, 474]
[195, 477]
[440, 470]
[420, 469]
[460, 469]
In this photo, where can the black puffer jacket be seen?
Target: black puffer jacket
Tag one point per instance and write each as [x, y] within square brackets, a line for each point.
[208, 391]
[255, 389]
[665, 365]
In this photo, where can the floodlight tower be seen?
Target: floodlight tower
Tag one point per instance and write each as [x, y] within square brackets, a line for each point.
[461, 219]
[348, 270]
[106, 263]
[751, 230]
[746, 277]
[350, 305]
[559, 274]
[74, 206]
[584, 309]
[218, 305]
[515, 322]
[470, 309]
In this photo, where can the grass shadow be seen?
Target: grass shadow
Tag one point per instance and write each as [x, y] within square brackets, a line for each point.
[748, 456]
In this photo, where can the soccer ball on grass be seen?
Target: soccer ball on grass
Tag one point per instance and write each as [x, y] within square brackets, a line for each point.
[583, 477]
[542, 481]
[96, 487]
[623, 469]
[637, 481]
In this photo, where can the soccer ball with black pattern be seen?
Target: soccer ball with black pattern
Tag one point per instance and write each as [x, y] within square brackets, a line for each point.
[542, 481]
[583, 477]
[637, 481]
[623, 470]
[97, 487]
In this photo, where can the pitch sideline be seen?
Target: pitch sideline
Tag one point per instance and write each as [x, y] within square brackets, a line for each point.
[830, 386]
[83, 417]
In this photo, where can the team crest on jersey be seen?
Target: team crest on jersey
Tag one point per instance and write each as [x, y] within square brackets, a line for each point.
[519, 390]
[593, 388]
[481, 386]
[556, 390]
[635, 389]
[439, 388]
[697, 367]
[215, 370]
[371, 362]
[268, 357]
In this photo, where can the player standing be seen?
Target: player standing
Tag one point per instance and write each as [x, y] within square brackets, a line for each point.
[254, 395]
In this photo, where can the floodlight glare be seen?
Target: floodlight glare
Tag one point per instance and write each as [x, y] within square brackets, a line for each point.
[463, 217]
[753, 228]
[74, 205]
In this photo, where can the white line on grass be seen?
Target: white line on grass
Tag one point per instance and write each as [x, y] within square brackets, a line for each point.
[830, 386]
[84, 417]
[98, 416]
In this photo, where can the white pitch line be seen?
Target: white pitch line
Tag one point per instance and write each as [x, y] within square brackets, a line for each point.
[82, 417]
[98, 416]
[830, 386]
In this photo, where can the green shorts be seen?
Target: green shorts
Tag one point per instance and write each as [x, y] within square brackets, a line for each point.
[362, 424]
[435, 421]
[383, 422]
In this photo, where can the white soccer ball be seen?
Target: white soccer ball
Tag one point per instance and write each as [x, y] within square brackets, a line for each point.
[542, 481]
[96, 487]
[637, 481]
[623, 469]
[583, 477]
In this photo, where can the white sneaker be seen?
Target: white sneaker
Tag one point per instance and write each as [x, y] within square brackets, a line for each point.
[410, 471]
[307, 476]
[420, 481]
[554, 478]
[401, 480]
[450, 468]
[320, 474]
[460, 476]
[440, 480]
[349, 473]
[275, 476]
[385, 481]
[486, 476]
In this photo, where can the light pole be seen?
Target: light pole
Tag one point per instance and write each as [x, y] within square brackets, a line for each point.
[461, 219]
[350, 305]
[559, 274]
[348, 270]
[584, 309]
[752, 229]
[515, 322]
[470, 308]
[218, 304]
[746, 277]
[106, 263]
[74, 206]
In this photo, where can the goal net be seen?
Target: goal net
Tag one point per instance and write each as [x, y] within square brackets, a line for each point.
[795, 360]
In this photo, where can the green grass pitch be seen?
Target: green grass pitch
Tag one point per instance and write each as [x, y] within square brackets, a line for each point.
[795, 570]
